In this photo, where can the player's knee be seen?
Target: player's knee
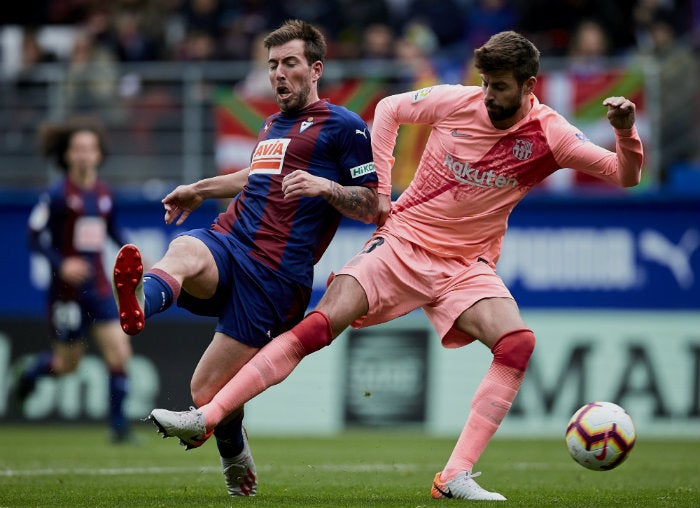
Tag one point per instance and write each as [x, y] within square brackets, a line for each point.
[514, 349]
[186, 255]
[63, 368]
[63, 364]
[117, 359]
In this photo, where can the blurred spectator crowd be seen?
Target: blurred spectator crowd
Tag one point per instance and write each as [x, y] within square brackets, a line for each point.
[173, 30]
[429, 39]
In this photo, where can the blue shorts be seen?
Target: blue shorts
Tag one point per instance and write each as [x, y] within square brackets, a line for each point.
[253, 302]
[70, 318]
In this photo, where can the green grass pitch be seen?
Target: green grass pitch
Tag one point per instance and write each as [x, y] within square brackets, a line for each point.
[75, 466]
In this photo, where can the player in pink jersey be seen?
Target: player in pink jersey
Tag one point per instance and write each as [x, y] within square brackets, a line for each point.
[439, 243]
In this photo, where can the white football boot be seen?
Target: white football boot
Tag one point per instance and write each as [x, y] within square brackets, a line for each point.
[462, 486]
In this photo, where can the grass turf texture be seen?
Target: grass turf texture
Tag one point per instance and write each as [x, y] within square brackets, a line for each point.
[73, 466]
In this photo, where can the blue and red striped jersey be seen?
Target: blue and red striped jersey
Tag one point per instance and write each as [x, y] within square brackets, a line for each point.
[290, 235]
[70, 221]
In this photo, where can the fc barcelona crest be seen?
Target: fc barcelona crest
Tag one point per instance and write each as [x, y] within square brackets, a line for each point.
[522, 150]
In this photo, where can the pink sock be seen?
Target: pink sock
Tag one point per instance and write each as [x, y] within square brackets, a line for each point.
[492, 400]
[272, 364]
[269, 366]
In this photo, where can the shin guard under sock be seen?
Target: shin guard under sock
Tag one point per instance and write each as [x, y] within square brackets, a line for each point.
[272, 364]
[492, 399]
[160, 290]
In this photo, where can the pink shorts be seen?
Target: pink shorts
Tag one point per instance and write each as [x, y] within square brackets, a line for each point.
[399, 277]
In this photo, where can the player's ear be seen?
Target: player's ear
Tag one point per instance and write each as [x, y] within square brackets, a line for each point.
[529, 85]
[317, 69]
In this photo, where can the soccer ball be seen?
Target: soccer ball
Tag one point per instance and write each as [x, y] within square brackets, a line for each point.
[600, 436]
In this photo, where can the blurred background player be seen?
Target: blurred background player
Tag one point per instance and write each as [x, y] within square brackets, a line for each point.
[438, 248]
[70, 227]
[253, 269]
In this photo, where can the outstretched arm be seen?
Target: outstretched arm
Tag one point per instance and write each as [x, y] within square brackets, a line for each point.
[187, 198]
[628, 145]
[353, 201]
[623, 167]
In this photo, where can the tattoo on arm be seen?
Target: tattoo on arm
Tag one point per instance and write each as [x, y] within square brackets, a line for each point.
[355, 202]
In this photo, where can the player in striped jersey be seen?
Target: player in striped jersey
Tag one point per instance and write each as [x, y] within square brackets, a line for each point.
[438, 248]
[253, 268]
[69, 228]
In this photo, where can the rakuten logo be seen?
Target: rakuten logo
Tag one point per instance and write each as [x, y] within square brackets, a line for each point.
[477, 177]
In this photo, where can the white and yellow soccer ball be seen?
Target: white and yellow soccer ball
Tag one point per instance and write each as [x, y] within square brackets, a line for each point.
[600, 436]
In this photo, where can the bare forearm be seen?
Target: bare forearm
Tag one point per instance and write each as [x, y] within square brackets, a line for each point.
[355, 202]
[222, 186]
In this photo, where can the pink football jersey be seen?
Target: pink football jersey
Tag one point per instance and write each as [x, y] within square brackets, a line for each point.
[471, 174]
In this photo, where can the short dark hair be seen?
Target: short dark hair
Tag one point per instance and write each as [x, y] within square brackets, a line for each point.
[314, 41]
[508, 51]
[55, 138]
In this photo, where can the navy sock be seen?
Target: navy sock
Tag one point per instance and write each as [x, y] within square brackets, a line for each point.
[41, 366]
[229, 437]
[118, 390]
[158, 294]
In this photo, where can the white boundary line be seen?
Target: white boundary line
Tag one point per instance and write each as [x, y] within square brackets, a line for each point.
[332, 468]
[355, 468]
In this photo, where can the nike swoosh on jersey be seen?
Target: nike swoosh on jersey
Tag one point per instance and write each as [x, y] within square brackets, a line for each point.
[457, 134]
